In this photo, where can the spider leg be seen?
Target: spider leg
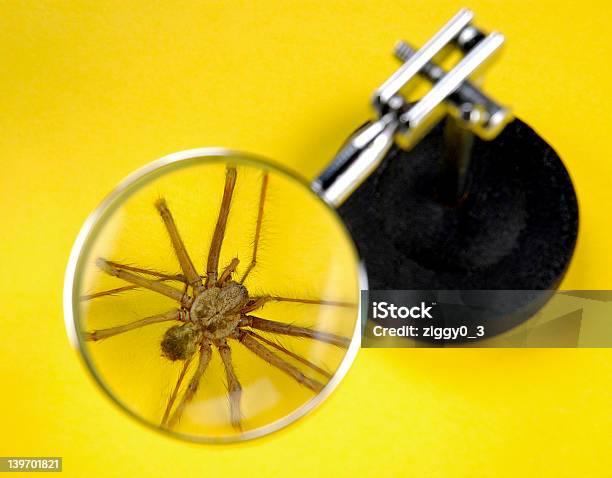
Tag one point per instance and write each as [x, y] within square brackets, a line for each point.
[229, 270]
[104, 333]
[254, 346]
[288, 329]
[258, 302]
[233, 385]
[151, 272]
[161, 277]
[192, 388]
[297, 357]
[95, 295]
[174, 394]
[217, 240]
[260, 212]
[254, 304]
[187, 266]
[138, 280]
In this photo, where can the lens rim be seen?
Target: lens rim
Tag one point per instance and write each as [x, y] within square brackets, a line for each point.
[74, 270]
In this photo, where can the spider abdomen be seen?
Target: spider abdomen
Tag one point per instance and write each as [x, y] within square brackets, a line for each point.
[181, 341]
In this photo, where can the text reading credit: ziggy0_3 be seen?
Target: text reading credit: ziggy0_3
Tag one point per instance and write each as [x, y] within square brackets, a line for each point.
[385, 310]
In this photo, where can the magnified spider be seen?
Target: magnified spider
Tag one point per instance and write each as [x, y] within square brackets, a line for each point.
[213, 309]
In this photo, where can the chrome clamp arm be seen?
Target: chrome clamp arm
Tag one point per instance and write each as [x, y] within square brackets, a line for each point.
[405, 123]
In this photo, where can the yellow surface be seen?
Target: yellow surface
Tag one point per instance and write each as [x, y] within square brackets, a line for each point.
[93, 90]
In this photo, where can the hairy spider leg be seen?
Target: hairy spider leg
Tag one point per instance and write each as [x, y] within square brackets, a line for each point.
[154, 319]
[258, 349]
[233, 385]
[229, 270]
[192, 388]
[288, 352]
[260, 213]
[160, 277]
[258, 302]
[182, 255]
[289, 329]
[117, 290]
[151, 272]
[175, 391]
[155, 286]
[212, 265]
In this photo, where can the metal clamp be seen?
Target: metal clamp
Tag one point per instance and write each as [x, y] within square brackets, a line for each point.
[399, 120]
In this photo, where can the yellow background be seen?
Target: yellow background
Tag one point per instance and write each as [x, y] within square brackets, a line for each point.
[93, 90]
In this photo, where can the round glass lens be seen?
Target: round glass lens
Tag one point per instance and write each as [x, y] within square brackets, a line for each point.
[214, 296]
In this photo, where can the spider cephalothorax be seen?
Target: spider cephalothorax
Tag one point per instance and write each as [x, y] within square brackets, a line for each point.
[213, 309]
[217, 310]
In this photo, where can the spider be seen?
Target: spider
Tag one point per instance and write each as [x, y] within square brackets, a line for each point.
[214, 309]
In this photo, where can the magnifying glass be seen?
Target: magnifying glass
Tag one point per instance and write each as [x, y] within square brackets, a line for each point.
[214, 296]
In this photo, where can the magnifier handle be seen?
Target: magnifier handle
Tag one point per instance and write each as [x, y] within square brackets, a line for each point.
[357, 159]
